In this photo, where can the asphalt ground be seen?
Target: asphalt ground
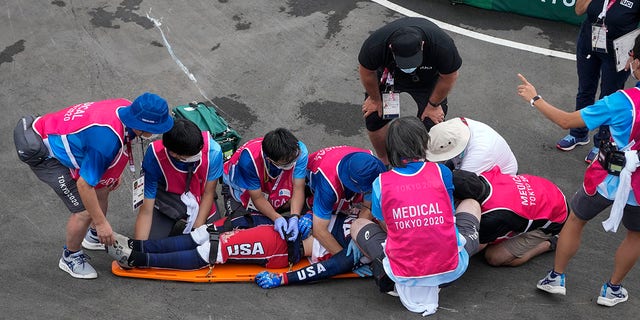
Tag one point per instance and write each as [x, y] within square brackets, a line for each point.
[269, 64]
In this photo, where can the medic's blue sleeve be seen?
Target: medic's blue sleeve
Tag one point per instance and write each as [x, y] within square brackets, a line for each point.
[337, 264]
[300, 171]
[447, 178]
[376, 209]
[614, 110]
[100, 146]
[323, 197]
[152, 174]
[246, 176]
[215, 160]
[367, 196]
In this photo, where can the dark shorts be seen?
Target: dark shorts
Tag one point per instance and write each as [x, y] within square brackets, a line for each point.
[374, 122]
[587, 207]
[58, 177]
[370, 239]
[468, 226]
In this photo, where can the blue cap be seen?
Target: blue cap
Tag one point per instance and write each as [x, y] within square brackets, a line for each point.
[358, 170]
[149, 113]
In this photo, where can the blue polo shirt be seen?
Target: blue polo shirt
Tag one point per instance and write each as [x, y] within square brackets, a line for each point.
[616, 111]
[94, 149]
[324, 197]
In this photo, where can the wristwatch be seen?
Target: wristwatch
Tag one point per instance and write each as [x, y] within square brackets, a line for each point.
[435, 105]
[534, 99]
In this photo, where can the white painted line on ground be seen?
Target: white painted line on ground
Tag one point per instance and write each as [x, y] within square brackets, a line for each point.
[476, 35]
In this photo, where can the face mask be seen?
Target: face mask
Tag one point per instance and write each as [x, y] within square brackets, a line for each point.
[633, 71]
[410, 70]
[193, 158]
[150, 137]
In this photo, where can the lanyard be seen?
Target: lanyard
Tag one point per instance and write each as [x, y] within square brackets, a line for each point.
[132, 166]
[606, 5]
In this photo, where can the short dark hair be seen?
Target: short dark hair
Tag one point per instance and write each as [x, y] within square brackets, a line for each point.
[280, 145]
[407, 139]
[184, 138]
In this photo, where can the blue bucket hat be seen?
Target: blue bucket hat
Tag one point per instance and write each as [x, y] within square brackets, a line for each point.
[358, 170]
[149, 113]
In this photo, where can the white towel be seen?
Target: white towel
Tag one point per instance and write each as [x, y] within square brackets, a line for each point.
[192, 210]
[419, 299]
[624, 187]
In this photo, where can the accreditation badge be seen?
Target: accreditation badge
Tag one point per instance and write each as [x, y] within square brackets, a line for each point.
[390, 105]
[138, 192]
[599, 37]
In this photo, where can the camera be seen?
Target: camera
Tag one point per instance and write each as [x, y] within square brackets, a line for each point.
[611, 158]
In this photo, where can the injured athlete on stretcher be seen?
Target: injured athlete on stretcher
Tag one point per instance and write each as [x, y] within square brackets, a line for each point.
[244, 244]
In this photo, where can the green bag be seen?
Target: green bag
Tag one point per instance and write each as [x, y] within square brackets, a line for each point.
[207, 119]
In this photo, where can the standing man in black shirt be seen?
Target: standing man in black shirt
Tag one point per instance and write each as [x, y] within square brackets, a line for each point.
[410, 55]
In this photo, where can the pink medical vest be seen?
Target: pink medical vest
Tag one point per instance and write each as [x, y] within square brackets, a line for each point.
[325, 162]
[422, 239]
[78, 117]
[531, 197]
[278, 189]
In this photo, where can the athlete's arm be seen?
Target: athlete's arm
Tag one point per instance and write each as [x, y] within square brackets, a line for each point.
[337, 264]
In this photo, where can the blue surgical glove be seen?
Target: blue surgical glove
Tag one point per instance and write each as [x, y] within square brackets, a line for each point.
[268, 280]
[353, 249]
[280, 226]
[305, 225]
[363, 271]
[292, 229]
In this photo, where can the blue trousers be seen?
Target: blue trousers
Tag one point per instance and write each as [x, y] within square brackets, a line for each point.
[593, 67]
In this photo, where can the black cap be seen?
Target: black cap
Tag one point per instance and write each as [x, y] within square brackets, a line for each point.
[468, 185]
[406, 45]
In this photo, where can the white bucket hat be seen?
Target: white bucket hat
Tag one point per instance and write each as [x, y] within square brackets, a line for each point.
[447, 140]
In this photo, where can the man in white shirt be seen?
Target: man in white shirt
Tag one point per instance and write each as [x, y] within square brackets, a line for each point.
[470, 145]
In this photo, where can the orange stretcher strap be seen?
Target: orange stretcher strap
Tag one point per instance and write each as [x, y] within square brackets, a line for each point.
[220, 273]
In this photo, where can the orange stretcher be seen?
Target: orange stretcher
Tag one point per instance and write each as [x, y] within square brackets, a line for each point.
[220, 273]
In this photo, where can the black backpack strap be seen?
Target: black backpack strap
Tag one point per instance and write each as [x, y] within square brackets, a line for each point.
[214, 241]
[189, 176]
[295, 251]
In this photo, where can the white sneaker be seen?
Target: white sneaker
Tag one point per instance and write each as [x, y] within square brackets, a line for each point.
[608, 297]
[120, 250]
[91, 242]
[553, 285]
[77, 265]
